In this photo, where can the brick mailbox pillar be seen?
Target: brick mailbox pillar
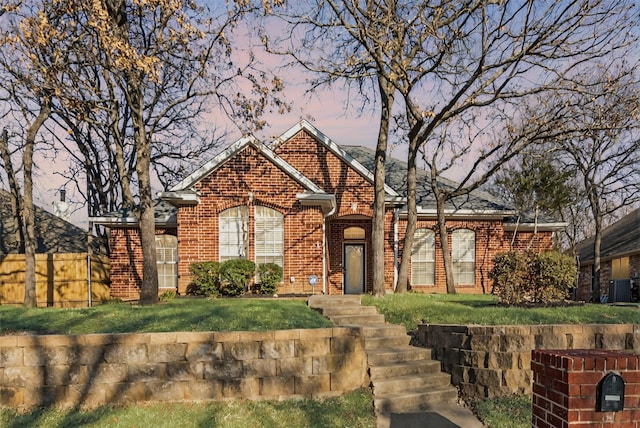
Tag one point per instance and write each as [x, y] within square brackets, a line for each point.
[566, 383]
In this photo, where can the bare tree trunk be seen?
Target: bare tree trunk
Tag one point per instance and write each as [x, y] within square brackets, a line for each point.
[377, 232]
[14, 191]
[596, 292]
[146, 217]
[444, 244]
[29, 218]
[412, 216]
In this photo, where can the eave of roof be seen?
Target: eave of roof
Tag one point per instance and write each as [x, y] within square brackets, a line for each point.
[325, 200]
[535, 226]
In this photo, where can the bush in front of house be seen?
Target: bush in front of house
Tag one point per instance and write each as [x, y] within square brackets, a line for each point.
[270, 276]
[235, 276]
[205, 279]
[530, 277]
[555, 274]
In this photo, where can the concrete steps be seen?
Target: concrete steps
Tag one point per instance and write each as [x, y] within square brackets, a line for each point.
[404, 378]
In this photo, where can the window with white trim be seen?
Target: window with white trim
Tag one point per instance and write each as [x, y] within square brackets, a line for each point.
[423, 258]
[463, 252]
[167, 261]
[232, 233]
[269, 236]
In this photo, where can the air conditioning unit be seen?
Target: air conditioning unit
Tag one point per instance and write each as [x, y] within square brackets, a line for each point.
[620, 290]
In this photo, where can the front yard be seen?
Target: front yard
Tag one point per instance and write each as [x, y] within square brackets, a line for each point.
[239, 314]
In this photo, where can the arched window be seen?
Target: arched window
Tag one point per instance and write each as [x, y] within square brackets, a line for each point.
[167, 261]
[232, 233]
[269, 236]
[423, 258]
[354, 233]
[463, 252]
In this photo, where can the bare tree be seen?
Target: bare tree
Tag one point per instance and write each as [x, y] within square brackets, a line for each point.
[138, 76]
[604, 145]
[460, 70]
[483, 62]
[29, 87]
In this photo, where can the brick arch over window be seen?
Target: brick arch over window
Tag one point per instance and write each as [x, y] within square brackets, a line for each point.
[463, 253]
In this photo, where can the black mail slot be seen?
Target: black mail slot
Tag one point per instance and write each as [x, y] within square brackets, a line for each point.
[610, 393]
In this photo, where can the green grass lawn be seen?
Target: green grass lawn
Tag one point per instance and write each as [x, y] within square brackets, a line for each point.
[176, 315]
[409, 309]
[350, 410]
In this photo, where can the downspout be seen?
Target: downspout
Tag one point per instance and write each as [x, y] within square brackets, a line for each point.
[324, 246]
[396, 216]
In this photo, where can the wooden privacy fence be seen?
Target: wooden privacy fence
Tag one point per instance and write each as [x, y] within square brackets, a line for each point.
[62, 280]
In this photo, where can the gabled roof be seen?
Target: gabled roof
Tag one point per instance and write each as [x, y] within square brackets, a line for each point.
[621, 239]
[339, 151]
[53, 234]
[231, 151]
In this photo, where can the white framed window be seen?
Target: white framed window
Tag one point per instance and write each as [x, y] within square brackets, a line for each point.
[463, 252]
[232, 233]
[167, 261]
[269, 236]
[423, 257]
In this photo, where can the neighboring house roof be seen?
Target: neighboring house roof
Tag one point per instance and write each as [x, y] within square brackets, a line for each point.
[53, 234]
[621, 239]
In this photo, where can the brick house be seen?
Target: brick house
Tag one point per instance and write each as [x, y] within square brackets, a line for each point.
[619, 258]
[305, 203]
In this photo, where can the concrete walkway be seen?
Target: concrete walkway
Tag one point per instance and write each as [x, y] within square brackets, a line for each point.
[409, 388]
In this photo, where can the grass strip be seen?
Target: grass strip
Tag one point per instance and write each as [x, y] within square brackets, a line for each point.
[350, 410]
[505, 412]
[176, 315]
[409, 309]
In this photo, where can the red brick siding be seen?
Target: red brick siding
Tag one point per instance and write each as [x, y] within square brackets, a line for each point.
[354, 205]
[126, 262]
[249, 171]
[565, 384]
[229, 186]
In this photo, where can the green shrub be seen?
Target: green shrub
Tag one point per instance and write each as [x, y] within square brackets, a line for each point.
[555, 274]
[235, 276]
[205, 279]
[529, 277]
[509, 274]
[167, 296]
[270, 276]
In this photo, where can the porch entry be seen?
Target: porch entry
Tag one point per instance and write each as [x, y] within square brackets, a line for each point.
[354, 257]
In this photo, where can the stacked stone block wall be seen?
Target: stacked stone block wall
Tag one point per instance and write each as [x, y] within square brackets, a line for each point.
[565, 388]
[96, 369]
[490, 361]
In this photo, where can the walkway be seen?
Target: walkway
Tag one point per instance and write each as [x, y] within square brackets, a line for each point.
[408, 387]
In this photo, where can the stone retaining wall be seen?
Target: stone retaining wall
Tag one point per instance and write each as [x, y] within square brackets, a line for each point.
[95, 369]
[489, 361]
